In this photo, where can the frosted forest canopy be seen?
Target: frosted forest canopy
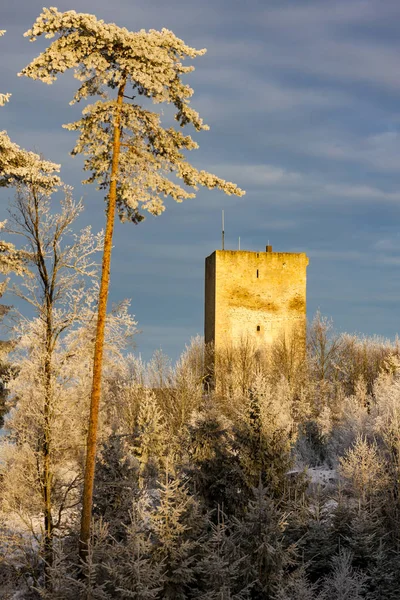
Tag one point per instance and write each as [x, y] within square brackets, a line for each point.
[283, 485]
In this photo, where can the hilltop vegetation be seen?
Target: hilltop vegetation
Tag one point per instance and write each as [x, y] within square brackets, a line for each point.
[281, 484]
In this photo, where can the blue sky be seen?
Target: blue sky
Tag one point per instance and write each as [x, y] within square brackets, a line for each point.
[302, 97]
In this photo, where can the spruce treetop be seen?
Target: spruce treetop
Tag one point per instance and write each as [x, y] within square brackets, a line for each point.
[106, 57]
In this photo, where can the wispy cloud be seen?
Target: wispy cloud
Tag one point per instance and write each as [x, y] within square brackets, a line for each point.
[302, 97]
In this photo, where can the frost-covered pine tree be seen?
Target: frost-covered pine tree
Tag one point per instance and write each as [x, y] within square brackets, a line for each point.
[176, 526]
[132, 572]
[21, 166]
[384, 574]
[364, 469]
[213, 462]
[365, 535]
[116, 486]
[345, 582]
[183, 392]
[221, 564]
[298, 587]
[265, 433]
[3, 97]
[260, 539]
[18, 165]
[129, 153]
[63, 580]
[150, 440]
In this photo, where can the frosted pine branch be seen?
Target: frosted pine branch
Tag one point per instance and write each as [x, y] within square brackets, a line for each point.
[149, 63]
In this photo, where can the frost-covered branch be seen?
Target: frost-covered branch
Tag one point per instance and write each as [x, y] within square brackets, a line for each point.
[4, 97]
[105, 56]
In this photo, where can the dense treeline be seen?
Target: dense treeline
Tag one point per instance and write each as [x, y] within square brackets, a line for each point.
[281, 483]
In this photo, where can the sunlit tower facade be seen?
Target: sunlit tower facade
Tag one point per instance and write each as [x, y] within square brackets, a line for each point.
[257, 296]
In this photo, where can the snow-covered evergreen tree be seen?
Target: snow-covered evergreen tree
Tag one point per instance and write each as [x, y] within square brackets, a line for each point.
[176, 526]
[364, 469]
[129, 152]
[150, 441]
[221, 563]
[116, 485]
[132, 572]
[298, 587]
[260, 538]
[265, 433]
[345, 582]
[20, 166]
[214, 463]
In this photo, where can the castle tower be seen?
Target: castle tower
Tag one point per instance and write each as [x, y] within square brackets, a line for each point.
[256, 295]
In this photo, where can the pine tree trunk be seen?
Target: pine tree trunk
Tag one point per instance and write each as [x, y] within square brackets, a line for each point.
[99, 342]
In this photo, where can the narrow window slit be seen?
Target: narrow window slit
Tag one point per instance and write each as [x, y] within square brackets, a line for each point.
[258, 328]
[257, 273]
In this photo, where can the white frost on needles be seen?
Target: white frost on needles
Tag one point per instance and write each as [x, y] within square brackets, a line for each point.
[4, 97]
[20, 166]
[106, 57]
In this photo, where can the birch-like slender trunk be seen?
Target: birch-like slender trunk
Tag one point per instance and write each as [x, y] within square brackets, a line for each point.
[47, 476]
[99, 341]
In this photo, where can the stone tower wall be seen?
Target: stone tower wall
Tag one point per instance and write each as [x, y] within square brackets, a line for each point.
[257, 295]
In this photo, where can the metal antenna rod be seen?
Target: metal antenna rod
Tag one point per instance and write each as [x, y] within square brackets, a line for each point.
[223, 231]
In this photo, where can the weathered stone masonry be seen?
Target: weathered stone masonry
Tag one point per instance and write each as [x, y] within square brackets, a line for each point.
[256, 295]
